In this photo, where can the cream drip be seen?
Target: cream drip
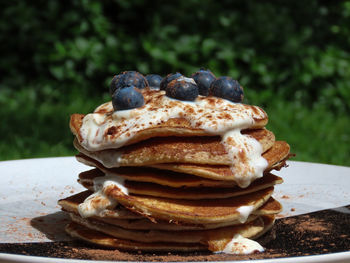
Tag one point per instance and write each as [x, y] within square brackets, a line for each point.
[242, 245]
[97, 203]
[244, 212]
[213, 115]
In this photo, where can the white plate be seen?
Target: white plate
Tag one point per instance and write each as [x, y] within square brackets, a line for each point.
[31, 188]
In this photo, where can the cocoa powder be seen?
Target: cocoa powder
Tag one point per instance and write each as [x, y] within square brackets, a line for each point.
[317, 233]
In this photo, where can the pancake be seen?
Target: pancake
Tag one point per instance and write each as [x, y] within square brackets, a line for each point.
[194, 150]
[269, 220]
[276, 157]
[237, 247]
[70, 204]
[104, 240]
[219, 176]
[145, 224]
[247, 230]
[281, 152]
[161, 116]
[138, 222]
[191, 211]
[192, 193]
[271, 207]
[151, 175]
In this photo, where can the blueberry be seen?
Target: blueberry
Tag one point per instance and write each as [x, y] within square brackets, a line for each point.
[182, 89]
[127, 98]
[154, 81]
[128, 78]
[112, 86]
[165, 81]
[227, 88]
[203, 78]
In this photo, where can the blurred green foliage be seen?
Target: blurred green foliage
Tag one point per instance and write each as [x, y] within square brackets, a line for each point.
[293, 58]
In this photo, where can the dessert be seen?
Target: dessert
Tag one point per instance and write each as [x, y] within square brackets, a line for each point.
[180, 167]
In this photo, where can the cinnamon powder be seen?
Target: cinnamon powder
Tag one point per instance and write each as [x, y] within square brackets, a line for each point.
[317, 233]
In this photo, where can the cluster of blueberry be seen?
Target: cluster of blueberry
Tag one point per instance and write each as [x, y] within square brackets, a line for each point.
[125, 87]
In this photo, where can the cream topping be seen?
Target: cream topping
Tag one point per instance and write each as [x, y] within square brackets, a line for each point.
[97, 203]
[242, 245]
[244, 212]
[106, 128]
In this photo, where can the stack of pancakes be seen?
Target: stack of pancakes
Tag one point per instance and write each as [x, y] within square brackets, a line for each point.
[175, 176]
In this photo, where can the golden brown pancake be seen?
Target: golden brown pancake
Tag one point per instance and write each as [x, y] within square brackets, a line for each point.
[71, 203]
[247, 230]
[138, 222]
[218, 243]
[271, 207]
[203, 211]
[190, 193]
[152, 175]
[178, 126]
[100, 239]
[145, 224]
[276, 157]
[117, 216]
[269, 220]
[194, 150]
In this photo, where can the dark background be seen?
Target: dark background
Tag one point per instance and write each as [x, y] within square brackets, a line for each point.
[291, 57]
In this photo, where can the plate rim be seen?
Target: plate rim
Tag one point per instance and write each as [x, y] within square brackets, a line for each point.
[331, 257]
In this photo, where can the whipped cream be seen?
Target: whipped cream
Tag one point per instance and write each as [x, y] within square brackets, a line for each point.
[109, 129]
[97, 203]
[242, 245]
[244, 212]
